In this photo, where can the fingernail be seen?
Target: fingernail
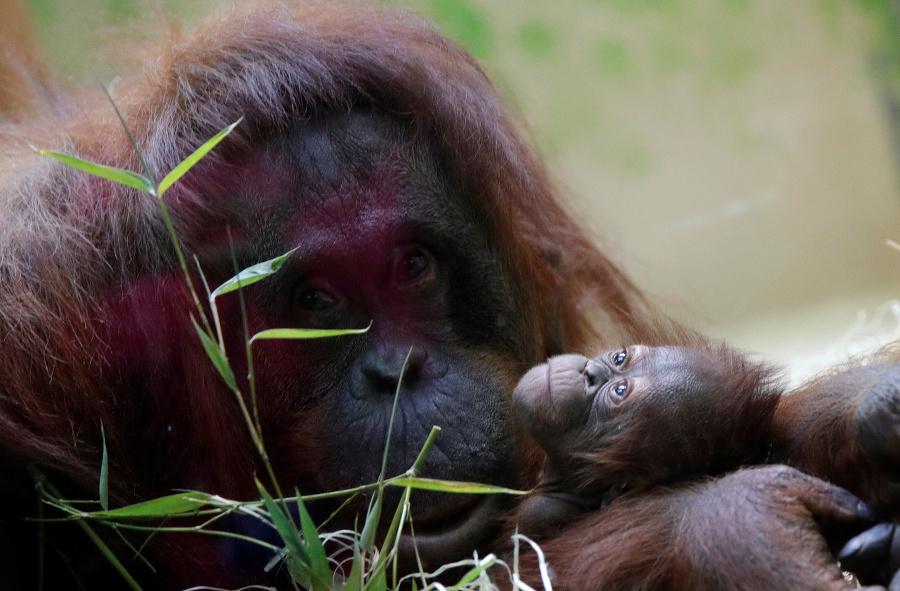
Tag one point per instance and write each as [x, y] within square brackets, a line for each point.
[850, 549]
[866, 512]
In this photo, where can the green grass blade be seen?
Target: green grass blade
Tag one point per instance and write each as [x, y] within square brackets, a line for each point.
[373, 516]
[127, 131]
[176, 504]
[298, 560]
[117, 175]
[215, 355]
[393, 533]
[186, 164]
[305, 333]
[453, 486]
[473, 574]
[318, 559]
[354, 580]
[378, 582]
[104, 474]
[252, 274]
[115, 562]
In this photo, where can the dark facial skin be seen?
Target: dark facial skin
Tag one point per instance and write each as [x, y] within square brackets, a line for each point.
[382, 236]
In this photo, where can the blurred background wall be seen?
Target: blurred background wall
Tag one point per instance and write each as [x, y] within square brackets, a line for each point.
[738, 157]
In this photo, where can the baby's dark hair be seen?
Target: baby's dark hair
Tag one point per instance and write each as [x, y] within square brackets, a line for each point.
[705, 432]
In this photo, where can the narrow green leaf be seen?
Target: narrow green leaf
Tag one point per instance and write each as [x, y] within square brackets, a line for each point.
[354, 580]
[453, 486]
[392, 537]
[105, 550]
[177, 504]
[473, 574]
[186, 164]
[305, 333]
[127, 131]
[378, 582]
[318, 559]
[373, 516]
[300, 567]
[252, 274]
[215, 355]
[104, 474]
[117, 175]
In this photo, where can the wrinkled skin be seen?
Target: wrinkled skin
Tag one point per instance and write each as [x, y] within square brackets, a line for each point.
[380, 238]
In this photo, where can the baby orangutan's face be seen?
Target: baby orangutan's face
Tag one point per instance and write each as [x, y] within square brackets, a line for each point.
[571, 402]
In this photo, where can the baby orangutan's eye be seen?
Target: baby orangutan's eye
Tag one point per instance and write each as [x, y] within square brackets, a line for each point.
[619, 391]
[620, 357]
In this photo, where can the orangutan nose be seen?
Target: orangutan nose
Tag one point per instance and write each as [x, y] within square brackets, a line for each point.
[596, 373]
[383, 369]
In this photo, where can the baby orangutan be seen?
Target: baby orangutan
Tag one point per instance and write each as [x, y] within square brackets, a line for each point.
[642, 416]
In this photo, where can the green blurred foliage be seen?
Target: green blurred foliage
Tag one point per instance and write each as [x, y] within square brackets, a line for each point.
[570, 64]
[537, 39]
[465, 22]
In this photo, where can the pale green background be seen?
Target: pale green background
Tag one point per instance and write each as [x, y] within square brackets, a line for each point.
[735, 155]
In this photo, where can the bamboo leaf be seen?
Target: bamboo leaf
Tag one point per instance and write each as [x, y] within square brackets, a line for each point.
[354, 580]
[378, 582]
[373, 517]
[183, 503]
[298, 559]
[215, 355]
[104, 474]
[105, 550]
[305, 333]
[252, 274]
[452, 486]
[186, 164]
[474, 573]
[117, 175]
[318, 559]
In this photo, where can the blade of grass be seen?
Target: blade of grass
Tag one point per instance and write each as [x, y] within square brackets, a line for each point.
[317, 558]
[474, 573]
[423, 453]
[373, 516]
[387, 440]
[117, 175]
[186, 164]
[50, 491]
[130, 137]
[215, 355]
[354, 580]
[104, 473]
[305, 333]
[392, 537]
[378, 582]
[302, 567]
[452, 486]
[252, 274]
[185, 503]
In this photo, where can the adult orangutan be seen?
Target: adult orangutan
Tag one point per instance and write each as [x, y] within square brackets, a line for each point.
[375, 149]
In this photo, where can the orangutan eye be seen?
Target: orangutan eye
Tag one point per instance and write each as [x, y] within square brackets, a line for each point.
[619, 391]
[316, 300]
[413, 264]
[619, 357]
